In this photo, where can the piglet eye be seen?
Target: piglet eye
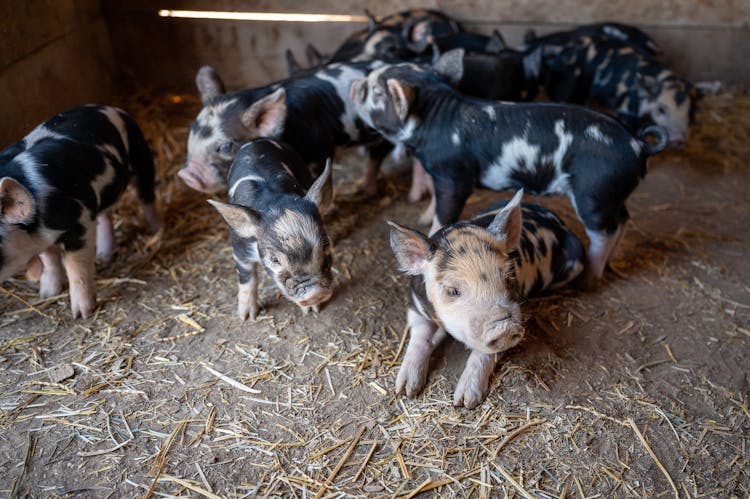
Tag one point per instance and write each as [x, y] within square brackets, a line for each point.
[661, 109]
[274, 260]
[226, 148]
[452, 292]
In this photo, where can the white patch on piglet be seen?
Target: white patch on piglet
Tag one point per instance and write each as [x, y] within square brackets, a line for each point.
[342, 83]
[114, 117]
[39, 133]
[246, 178]
[516, 151]
[595, 133]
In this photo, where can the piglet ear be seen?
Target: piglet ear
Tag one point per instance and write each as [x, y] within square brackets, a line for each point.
[266, 116]
[402, 96]
[506, 226]
[244, 221]
[529, 36]
[321, 192]
[496, 43]
[209, 84]
[291, 63]
[372, 23]
[450, 66]
[412, 248]
[17, 206]
[314, 57]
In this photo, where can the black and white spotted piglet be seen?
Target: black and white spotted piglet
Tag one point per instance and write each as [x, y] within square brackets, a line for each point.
[274, 215]
[57, 186]
[469, 281]
[544, 148]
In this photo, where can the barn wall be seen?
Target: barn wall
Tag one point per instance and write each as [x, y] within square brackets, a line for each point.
[704, 39]
[53, 55]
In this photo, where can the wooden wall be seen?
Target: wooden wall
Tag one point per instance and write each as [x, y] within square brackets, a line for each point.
[56, 54]
[704, 39]
[53, 55]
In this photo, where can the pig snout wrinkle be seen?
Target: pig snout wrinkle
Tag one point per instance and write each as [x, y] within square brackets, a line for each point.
[315, 295]
[504, 340]
[191, 179]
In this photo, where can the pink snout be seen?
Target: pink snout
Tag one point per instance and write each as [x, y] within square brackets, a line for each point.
[315, 294]
[200, 179]
[502, 335]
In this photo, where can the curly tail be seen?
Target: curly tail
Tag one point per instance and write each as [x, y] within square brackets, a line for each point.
[662, 139]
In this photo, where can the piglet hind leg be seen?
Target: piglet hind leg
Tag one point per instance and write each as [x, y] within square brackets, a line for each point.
[105, 237]
[474, 383]
[420, 182]
[52, 278]
[602, 246]
[425, 336]
[247, 293]
[80, 267]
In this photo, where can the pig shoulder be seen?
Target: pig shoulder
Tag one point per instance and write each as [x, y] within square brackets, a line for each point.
[549, 255]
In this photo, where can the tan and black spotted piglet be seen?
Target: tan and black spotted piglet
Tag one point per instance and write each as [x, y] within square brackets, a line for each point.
[469, 281]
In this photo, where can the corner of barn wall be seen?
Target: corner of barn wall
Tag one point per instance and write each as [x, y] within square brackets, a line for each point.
[55, 55]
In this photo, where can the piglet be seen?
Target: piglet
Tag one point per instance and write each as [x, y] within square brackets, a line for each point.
[469, 281]
[57, 186]
[274, 216]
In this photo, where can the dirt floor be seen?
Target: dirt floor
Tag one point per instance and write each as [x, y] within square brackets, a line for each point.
[638, 388]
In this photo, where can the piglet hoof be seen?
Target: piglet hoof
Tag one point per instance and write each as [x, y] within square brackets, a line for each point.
[425, 218]
[34, 269]
[412, 377]
[415, 195]
[104, 256]
[248, 311]
[152, 218]
[50, 285]
[587, 281]
[471, 390]
[82, 302]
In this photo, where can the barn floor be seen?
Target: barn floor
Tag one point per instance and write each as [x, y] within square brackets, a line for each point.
[639, 388]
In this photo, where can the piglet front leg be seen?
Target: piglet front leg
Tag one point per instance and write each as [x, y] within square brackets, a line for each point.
[425, 336]
[474, 383]
[247, 295]
[80, 266]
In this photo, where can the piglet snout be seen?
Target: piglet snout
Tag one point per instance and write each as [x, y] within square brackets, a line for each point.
[201, 178]
[315, 295]
[191, 179]
[502, 334]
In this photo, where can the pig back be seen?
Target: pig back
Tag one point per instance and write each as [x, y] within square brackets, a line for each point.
[548, 256]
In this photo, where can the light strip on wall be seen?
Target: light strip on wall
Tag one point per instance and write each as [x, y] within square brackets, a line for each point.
[262, 16]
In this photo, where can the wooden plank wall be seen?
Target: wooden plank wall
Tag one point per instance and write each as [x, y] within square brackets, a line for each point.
[704, 39]
[54, 54]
